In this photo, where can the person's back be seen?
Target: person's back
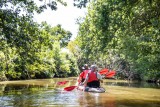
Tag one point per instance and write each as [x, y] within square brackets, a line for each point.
[93, 78]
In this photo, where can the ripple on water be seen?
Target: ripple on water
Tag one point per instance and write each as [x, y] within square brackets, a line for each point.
[116, 95]
[59, 98]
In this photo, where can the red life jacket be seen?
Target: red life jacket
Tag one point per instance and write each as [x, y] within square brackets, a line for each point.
[85, 72]
[83, 75]
[92, 76]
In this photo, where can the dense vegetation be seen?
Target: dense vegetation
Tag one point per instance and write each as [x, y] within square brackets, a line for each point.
[123, 35]
[30, 50]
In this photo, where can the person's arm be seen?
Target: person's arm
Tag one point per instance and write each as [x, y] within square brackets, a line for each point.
[99, 77]
[79, 78]
[85, 81]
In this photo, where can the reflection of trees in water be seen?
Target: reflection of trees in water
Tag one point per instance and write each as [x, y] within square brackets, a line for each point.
[32, 92]
[30, 85]
[21, 100]
[16, 97]
[25, 95]
[134, 84]
[15, 88]
[2, 87]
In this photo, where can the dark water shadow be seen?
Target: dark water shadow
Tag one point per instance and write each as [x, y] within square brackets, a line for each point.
[134, 84]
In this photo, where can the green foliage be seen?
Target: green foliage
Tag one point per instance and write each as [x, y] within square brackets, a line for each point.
[58, 33]
[116, 31]
[27, 49]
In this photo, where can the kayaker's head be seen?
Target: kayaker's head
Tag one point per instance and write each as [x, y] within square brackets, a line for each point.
[86, 66]
[93, 68]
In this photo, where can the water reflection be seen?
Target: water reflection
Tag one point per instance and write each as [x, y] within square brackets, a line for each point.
[46, 93]
[96, 100]
[134, 84]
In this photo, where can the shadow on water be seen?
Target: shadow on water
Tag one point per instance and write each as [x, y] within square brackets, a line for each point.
[46, 93]
[134, 84]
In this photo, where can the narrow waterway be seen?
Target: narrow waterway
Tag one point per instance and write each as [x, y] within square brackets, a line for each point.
[47, 93]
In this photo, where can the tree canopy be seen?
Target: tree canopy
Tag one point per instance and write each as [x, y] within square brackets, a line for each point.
[31, 50]
[119, 34]
[124, 35]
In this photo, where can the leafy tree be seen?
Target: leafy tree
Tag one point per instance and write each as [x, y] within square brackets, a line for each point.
[27, 48]
[126, 33]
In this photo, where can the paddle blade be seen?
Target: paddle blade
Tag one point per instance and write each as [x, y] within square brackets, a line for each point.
[110, 74]
[70, 88]
[103, 71]
[62, 82]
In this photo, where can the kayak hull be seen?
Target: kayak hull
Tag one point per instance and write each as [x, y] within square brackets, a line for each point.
[89, 89]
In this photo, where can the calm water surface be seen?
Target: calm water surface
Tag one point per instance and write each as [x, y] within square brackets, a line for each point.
[46, 93]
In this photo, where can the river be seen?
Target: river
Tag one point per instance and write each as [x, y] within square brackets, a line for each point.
[47, 93]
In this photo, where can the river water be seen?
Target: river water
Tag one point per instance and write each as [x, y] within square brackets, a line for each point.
[47, 93]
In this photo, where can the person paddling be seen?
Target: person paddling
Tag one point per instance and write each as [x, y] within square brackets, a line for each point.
[93, 78]
[83, 74]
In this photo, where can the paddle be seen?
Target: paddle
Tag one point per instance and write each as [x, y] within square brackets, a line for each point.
[108, 75]
[62, 82]
[70, 88]
[103, 71]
